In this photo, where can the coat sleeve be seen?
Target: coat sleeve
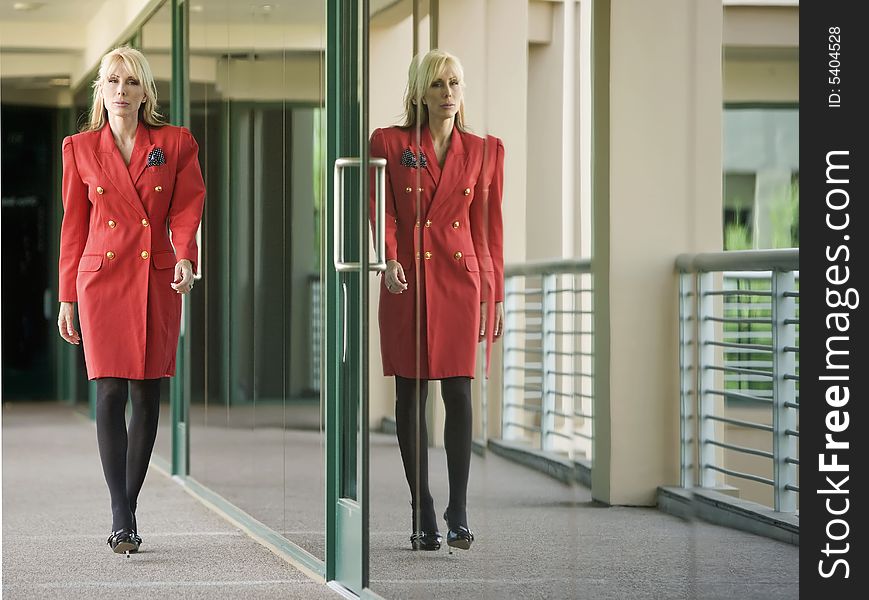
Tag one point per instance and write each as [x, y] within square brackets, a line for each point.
[496, 223]
[188, 198]
[379, 150]
[75, 225]
[486, 223]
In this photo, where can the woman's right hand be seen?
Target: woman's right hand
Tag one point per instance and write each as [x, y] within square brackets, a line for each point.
[394, 278]
[65, 323]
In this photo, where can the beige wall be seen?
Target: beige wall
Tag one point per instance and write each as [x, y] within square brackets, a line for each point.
[761, 80]
[664, 199]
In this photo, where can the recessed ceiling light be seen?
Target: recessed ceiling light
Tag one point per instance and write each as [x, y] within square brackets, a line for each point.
[28, 6]
[59, 82]
[197, 8]
[267, 7]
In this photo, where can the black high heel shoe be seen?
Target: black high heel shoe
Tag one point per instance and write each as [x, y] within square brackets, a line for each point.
[426, 540]
[458, 536]
[123, 541]
[135, 536]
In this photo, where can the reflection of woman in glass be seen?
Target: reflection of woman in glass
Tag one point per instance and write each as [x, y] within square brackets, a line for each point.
[442, 292]
[128, 181]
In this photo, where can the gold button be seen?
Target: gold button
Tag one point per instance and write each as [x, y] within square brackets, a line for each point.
[427, 255]
[408, 190]
[112, 224]
[159, 188]
[419, 189]
[110, 255]
[145, 222]
[144, 254]
[457, 255]
[467, 191]
[417, 255]
[100, 190]
[417, 224]
[456, 224]
[428, 222]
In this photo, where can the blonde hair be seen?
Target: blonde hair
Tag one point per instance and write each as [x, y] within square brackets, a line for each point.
[137, 64]
[422, 72]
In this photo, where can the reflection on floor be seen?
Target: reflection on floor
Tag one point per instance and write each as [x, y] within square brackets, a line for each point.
[536, 538]
[276, 474]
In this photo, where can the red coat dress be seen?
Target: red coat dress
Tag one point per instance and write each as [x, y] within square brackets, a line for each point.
[445, 228]
[116, 256]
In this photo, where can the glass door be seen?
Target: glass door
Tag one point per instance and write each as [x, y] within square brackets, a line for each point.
[347, 244]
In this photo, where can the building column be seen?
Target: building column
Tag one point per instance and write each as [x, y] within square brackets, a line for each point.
[656, 164]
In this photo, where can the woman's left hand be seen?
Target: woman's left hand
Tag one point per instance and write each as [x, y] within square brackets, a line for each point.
[183, 276]
[499, 320]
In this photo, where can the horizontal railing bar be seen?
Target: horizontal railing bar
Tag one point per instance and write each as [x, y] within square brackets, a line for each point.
[793, 461]
[526, 292]
[547, 267]
[582, 416]
[741, 370]
[791, 405]
[739, 396]
[790, 294]
[740, 423]
[794, 349]
[741, 449]
[520, 426]
[792, 488]
[792, 433]
[755, 347]
[559, 434]
[790, 377]
[741, 475]
[791, 321]
[525, 368]
[578, 433]
[780, 259]
[536, 332]
[558, 413]
[748, 320]
[739, 292]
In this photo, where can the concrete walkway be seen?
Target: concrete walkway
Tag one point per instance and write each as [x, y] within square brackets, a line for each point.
[536, 538]
[56, 519]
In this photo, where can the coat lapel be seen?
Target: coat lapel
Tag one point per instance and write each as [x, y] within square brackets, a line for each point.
[141, 150]
[112, 163]
[431, 157]
[454, 166]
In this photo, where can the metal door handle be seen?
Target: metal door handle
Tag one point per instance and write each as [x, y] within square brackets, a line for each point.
[380, 217]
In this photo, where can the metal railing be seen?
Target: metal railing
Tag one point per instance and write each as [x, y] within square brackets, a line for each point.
[739, 363]
[547, 372]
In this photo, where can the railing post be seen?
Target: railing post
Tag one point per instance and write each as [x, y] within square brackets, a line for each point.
[511, 386]
[548, 326]
[783, 391]
[705, 378]
[687, 347]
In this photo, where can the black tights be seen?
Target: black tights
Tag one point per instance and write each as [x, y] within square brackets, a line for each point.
[125, 455]
[411, 395]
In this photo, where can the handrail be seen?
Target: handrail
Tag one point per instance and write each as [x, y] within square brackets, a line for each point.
[782, 259]
[546, 267]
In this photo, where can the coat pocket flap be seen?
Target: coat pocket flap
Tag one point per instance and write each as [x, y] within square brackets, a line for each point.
[163, 260]
[471, 264]
[90, 262]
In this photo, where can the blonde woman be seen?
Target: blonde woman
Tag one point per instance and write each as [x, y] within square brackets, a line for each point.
[442, 291]
[129, 180]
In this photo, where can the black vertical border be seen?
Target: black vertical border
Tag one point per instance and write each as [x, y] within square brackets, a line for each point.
[830, 124]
